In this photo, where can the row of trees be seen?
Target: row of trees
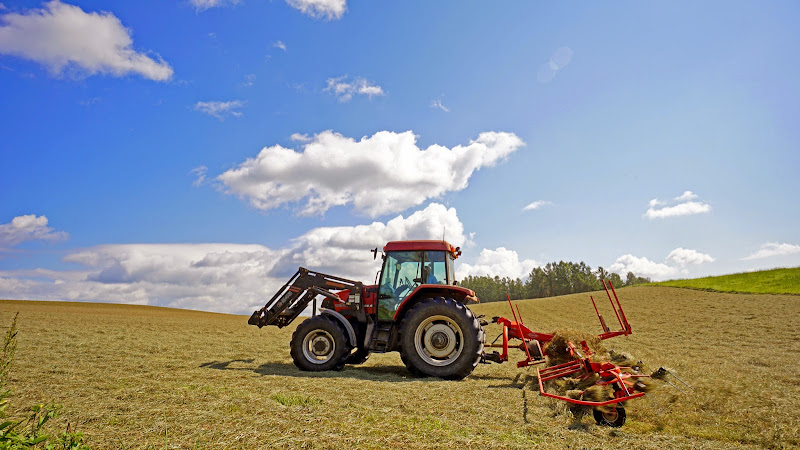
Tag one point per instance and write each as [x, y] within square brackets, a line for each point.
[553, 279]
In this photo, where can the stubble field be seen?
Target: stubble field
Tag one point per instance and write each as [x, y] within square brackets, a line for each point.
[138, 377]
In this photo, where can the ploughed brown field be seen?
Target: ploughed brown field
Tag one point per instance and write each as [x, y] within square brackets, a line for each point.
[137, 377]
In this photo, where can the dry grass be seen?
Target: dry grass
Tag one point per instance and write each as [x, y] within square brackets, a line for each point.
[138, 377]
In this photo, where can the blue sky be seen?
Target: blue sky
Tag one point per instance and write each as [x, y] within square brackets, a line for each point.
[194, 153]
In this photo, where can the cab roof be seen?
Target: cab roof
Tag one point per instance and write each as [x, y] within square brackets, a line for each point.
[399, 246]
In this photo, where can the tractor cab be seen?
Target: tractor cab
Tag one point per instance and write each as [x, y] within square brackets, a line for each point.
[410, 266]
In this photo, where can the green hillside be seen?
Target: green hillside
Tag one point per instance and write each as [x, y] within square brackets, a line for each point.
[775, 281]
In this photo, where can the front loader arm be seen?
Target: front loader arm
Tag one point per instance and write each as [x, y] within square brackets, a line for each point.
[290, 300]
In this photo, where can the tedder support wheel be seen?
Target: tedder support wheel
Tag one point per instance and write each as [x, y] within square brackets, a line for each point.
[440, 337]
[614, 418]
[319, 344]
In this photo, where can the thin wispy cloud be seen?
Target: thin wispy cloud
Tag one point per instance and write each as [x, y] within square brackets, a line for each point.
[200, 175]
[220, 110]
[772, 249]
[320, 9]
[297, 137]
[560, 59]
[63, 37]
[683, 205]
[536, 205]
[344, 89]
[202, 5]
[280, 45]
[249, 80]
[437, 104]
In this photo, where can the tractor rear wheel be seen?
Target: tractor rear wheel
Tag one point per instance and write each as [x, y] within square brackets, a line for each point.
[318, 344]
[614, 418]
[442, 338]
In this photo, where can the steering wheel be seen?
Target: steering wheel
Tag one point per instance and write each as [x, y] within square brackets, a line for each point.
[402, 289]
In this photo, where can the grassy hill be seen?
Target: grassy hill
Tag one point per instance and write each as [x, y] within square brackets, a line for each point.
[775, 281]
[140, 377]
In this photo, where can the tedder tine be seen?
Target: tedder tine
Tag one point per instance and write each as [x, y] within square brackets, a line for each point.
[676, 377]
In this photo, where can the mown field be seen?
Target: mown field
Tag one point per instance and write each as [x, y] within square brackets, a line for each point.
[775, 281]
[140, 377]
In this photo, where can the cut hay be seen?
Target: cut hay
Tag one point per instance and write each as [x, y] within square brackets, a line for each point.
[599, 394]
[557, 350]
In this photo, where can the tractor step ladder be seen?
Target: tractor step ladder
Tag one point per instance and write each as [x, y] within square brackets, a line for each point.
[379, 342]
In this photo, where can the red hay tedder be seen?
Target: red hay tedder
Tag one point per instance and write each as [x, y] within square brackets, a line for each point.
[621, 379]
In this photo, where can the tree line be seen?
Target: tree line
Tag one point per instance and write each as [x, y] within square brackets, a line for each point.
[553, 279]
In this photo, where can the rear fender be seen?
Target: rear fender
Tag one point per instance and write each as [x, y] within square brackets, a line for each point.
[423, 291]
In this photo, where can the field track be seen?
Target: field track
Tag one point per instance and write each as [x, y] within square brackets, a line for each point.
[138, 377]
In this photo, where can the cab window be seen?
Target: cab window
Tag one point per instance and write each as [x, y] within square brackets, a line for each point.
[434, 270]
[402, 273]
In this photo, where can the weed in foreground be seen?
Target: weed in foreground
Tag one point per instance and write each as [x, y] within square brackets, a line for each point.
[28, 432]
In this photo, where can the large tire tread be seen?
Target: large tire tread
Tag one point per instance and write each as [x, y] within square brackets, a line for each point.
[472, 331]
[341, 346]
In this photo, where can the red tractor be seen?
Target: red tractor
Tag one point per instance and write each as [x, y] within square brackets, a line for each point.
[417, 308]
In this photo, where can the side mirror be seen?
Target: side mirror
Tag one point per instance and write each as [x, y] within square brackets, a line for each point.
[374, 253]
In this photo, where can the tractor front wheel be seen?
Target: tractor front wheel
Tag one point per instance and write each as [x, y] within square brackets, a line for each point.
[319, 344]
[442, 338]
[614, 418]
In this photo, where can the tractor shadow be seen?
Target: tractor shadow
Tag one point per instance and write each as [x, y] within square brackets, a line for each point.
[396, 374]
[521, 381]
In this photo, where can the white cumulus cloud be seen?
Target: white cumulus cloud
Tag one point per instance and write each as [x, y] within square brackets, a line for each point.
[384, 173]
[686, 206]
[280, 45]
[500, 262]
[675, 263]
[344, 89]
[536, 205]
[61, 36]
[29, 227]
[684, 257]
[221, 109]
[341, 249]
[642, 267]
[771, 249]
[320, 9]
[232, 278]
